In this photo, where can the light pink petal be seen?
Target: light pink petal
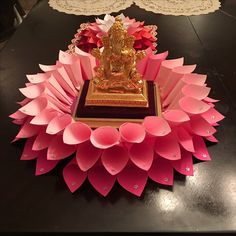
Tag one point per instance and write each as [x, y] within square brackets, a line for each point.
[58, 123]
[193, 106]
[201, 152]
[211, 138]
[141, 155]
[28, 130]
[47, 68]
[42, 141]
[176, 116]
[161, 171]
[115, 159]
[168, 147]
[211, 100]
[133, 179]
[76, 133]
[33, 91]
[185, 139]
[212, 116]
[37, 78]
[44, 117]
[73, 176]
[201, 127]
[87, 155]
[66, 58]
[196, 91]
[58, 150]
[185, 164]
[17, 115]
[101, 180]
[105, 137]
[193, 78]
[156, 126]
[133, 133]
[43, 165]
[34, 107]
[28, 153]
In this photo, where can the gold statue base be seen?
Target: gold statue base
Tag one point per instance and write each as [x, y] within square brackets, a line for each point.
[96, 97]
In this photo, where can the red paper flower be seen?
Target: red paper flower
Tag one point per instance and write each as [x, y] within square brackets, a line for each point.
[89, 35]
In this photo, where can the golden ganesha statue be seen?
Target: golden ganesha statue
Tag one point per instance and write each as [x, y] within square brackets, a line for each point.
[117, 71]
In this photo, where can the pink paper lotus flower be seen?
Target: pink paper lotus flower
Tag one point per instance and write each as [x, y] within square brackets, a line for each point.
[89, 35]
[134, 152]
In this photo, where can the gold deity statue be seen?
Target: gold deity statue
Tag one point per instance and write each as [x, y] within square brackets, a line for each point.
[117, 71]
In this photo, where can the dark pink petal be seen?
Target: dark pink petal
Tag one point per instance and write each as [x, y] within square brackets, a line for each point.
[201, 127]
[18, 115]
[212, 116]
[34, 107]
[141, 155]
[76, 133]
[101, 180]
[161, 171]
[168, 147]
[193, 106]
[156, 126]
[58, 150]
[185, 164]
[185, 139]
[211, 138]
[133, 133]
[58, 123]
[105, 137]
[201, 152]
[42, 141]
[73, 176]
[133, 179]
[87, 155]
[43, 165]
[28, 130]
[115, 159]
[28, 153]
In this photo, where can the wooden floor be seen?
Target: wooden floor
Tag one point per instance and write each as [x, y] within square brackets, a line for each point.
[204, 202]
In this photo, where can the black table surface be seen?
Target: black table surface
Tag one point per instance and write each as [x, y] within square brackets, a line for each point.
[204, 202]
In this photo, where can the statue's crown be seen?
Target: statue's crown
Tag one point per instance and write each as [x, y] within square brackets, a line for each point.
[117, 27]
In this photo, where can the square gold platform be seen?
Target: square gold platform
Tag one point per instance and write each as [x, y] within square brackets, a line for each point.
[96, 116]
[97, 98]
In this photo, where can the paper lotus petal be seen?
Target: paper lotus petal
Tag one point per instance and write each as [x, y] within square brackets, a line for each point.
[161, 171]
[101, 180]
[58, 150]
[43, 165]
[185, 164]
[185, 139]
[32, 91]
[193, 106]
[38, 78]
[156, 126]
[196, 91]
[201, 127]
[34, 107]
[133, 179]
[44, 117]
[58, 123]
[141, 155]
[133, 133]
[87, 155]
[76, 133]
[168, 147]
[42, 141]
[176, 116]
[212, 116]
[105, 137]
[201, 152]
[28, 153]
[73, 176]
[115, 159]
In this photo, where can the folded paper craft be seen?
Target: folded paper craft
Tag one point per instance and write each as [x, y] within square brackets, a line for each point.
[131, 153]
